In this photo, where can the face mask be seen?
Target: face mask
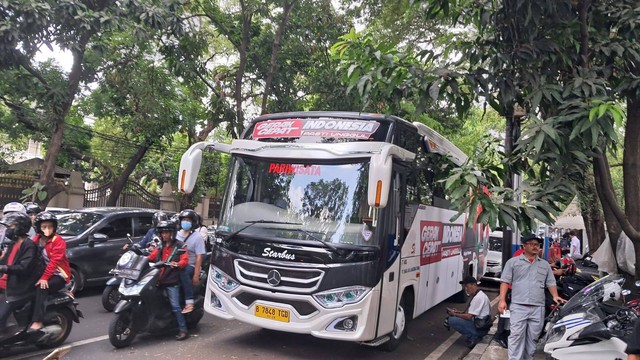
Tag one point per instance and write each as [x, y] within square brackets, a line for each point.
[186, 225]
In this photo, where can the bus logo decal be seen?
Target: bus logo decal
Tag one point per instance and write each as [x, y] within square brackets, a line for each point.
[267, 252]
[274, 278]
[430, 242]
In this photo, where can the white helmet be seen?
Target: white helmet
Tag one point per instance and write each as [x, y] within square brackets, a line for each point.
[612, 291]
[14, 207]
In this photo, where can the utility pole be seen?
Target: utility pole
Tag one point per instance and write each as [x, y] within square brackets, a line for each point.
[512, 133]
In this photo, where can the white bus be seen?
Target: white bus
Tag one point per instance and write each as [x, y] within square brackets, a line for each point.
[333, 224]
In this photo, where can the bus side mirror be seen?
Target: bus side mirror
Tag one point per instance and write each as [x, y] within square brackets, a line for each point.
[379, 179]
[190, 164]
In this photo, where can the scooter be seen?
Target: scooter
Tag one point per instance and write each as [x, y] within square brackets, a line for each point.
[110, 295]
[144, 306]
[591, 325]
[60, 314]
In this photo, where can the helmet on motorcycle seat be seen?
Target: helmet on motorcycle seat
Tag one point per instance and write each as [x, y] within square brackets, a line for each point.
[20, 222]
[14, 207]
[32, 208]
[191, 215]
[46, 216]
[612, 292]
[159, 216]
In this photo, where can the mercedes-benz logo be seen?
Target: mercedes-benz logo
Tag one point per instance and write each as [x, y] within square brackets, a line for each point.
[273, 278]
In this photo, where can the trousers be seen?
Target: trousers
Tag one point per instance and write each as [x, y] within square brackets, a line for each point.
[525, 325]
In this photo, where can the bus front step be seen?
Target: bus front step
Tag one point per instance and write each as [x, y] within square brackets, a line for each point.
[377, 342]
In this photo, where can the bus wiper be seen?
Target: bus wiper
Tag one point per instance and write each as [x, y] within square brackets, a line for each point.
[319, 241]
[253, 222]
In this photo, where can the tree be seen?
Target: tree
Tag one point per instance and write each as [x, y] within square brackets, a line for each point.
[569, 65]
[40, 96]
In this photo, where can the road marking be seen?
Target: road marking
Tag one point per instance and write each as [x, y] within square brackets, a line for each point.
[71, 345]
[440, 350]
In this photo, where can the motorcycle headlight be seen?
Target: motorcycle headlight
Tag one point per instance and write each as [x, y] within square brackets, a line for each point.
[337, 298]
[555, 334]
[224, 281]
[135, 289]
[124, 259]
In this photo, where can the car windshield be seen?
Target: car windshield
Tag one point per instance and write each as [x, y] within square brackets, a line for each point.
[75, 223]
[299, 201]
[495, 243]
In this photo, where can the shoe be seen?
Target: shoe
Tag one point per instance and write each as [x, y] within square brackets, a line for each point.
[182, 335]
[187, 309]
[501, 342]
[470, 343]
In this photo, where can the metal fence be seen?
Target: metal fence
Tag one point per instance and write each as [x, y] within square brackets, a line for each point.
[12, 185]
[133, 195]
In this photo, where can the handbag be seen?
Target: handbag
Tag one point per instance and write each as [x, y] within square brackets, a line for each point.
[482, 322]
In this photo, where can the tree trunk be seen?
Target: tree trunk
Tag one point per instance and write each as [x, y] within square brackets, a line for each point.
[274, 52]
[590, 210]
[631, 169]
[614, 229]
[121, 181]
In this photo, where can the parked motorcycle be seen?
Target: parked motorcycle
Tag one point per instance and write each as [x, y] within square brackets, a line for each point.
[592, 324]
[144, 306]
[61, 313]
[110, 295]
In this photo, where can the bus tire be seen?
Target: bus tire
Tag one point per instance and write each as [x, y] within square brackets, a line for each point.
[399, 332]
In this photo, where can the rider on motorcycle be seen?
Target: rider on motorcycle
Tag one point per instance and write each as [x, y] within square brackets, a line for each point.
[170, 276]
[33, 210]
[21, 268]
[152, 233]
[57, 272]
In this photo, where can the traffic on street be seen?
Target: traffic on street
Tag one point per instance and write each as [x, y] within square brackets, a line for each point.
[219, 339]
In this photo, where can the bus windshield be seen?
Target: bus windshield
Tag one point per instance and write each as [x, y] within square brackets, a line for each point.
[299, 201]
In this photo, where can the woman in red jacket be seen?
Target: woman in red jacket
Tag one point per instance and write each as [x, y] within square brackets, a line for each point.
[57, 271]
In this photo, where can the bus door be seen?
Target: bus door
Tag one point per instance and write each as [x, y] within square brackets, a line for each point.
[392, 230]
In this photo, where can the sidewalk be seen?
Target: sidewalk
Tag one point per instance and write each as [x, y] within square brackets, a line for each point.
[490, 350]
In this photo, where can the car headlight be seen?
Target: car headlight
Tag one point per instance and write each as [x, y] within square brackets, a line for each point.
[224, 281]
[337, 298]
[137, 288]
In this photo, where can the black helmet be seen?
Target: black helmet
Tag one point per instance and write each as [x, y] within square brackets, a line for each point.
[190, 214]
[46, 216]
[165, 225]
[159, 216]
[32, 208]
[20, 222]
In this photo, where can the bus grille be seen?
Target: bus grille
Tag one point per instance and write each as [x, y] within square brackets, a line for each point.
[295, 280]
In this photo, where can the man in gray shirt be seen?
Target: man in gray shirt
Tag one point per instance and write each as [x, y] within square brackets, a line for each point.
[190, 276]
[528, 276]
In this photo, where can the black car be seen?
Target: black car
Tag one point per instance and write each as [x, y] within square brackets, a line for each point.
[95, 237]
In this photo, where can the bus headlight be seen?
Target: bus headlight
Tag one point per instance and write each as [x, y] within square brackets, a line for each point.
[224, 281]
[337, 298]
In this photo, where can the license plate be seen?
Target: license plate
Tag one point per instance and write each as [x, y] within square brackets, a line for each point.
[272, 313]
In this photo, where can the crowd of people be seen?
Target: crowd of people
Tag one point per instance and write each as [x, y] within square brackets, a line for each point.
[34, 264]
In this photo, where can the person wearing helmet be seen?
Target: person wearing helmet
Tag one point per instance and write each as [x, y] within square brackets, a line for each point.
[190, 277]
[57, 272]
[529, 275]
[21, 268]
[33, 210]
[169, 278]
[151, 233]
[11, 207]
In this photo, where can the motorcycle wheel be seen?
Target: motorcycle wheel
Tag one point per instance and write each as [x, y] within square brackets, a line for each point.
[64, 319]
[110, 297]
[121, 332]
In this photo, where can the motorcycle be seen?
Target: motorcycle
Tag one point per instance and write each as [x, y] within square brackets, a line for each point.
[592, 324]
[110, 295]
[144, 306]
[60, 314]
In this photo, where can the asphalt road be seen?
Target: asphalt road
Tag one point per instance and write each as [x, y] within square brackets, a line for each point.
[219, 339]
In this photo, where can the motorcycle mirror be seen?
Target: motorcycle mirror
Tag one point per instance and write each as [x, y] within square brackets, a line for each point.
[626, 292]
[638, 284]
[129, 238]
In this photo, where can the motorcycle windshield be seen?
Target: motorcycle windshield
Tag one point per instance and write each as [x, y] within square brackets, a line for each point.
[597, 291]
